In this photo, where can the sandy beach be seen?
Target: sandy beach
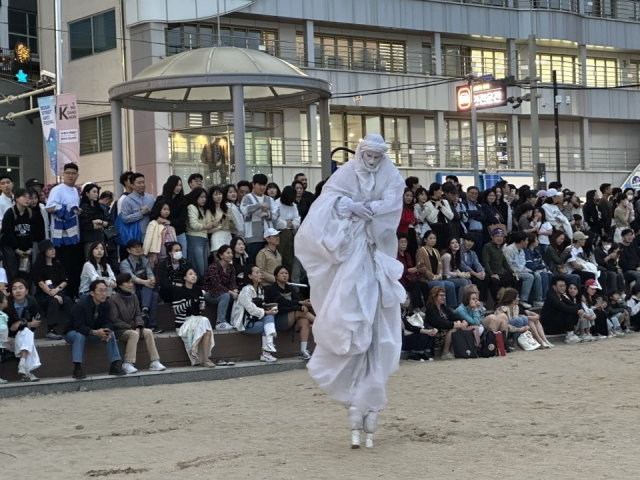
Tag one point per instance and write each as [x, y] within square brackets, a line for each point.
[568, 412]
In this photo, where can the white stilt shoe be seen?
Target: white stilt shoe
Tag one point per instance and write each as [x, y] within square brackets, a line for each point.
[370, 423]
[355, 421]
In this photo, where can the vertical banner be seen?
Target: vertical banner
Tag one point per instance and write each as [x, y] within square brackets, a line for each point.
[68, 130]
[47, 106]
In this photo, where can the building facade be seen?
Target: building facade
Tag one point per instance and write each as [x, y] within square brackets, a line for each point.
[414, 51]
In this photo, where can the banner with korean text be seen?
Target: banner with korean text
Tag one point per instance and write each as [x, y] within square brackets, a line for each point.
[68, 130]
[47, 106]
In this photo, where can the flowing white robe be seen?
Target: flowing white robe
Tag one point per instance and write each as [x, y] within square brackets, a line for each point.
[354, 277]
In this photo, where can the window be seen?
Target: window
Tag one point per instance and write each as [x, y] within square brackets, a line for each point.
[427, 59]
[564, 65]
[456, 61]
[488, 62]
[492, 144]
[23, 28]
[95, 135]
[188, 36]
[601, 72]
[92, 35]
[10, 165]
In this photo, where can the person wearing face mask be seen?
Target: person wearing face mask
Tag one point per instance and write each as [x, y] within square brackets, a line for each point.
[607, 257]
[171, 270]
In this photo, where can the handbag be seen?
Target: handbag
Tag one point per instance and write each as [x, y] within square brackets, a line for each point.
[110, 232]
[416, 320]
[126, 231]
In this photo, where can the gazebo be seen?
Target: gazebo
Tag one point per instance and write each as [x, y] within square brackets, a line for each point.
[220, 79]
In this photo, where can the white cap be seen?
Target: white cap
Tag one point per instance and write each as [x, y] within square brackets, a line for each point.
[269, 232]
[552, 192]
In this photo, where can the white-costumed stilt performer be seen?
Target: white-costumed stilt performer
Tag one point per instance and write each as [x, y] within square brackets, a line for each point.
[348, 246]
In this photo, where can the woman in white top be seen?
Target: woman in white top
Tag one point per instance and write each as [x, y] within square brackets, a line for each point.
[287, 220]
[230, 194]
[223, 226]
[96, 268]
[420, 212]
[553, 214]
[199, 224]
[544, 228]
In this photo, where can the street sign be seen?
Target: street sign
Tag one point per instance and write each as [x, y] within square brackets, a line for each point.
[486, 95]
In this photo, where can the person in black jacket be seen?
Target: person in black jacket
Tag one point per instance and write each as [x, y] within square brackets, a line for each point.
[23, 318]
[17, 238]
[558, 315]
[90, 322]
[443, 318]
[173, 194]
[607, 256]
[92, 219]
[417, 340]
[171, 270]
[292, 309]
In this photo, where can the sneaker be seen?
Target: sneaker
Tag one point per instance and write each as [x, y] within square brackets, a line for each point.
[597, 336]
[510, 349]
[587, 338]
[3, 381]
[117, 370]
[22, 370]
[306, 356]
[525, 304]
[267, 357]
[572, 339]
[538, 304]
[78, 374]
[271, 347]
[145, 315]
[30, 377]
[230, 362]
[426, 357]
[627, 331]
[156, 330]
[128, 368]
[224, 326]
[618, 332]
[53, 336]
[156, 366]
[221, 362]
[548, 344]
[448, 356]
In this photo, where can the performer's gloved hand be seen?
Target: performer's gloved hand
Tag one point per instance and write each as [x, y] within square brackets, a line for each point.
[361, 210]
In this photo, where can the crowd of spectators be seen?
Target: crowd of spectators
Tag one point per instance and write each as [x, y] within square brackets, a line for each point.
[515, 261]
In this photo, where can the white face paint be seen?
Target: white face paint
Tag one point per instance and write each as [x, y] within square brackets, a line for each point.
[372, 159]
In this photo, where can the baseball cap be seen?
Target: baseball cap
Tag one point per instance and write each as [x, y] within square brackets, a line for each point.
[591, 283]
[579, 235]
[497, 231]
[552, 192]
[269, 232]
[541, 193]
[133, 242]
[32, 182]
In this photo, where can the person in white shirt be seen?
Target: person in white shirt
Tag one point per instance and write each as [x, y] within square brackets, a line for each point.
[6, 197]
[531, 281]
[287, 221]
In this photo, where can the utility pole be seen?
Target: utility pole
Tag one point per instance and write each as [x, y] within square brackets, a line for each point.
[58, 29]
[556, 123]
[474, 133]
[535, 125]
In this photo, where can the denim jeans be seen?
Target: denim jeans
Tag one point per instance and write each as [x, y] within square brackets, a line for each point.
[222, 302]
[182, 240]
[531, 287]
[518, 322]
[77, 341]
[258, 325]
[148, 298]
[449, 289]
[459, 284]
[198, 253]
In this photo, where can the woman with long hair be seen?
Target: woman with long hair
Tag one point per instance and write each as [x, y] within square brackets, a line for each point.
[420, 212]
[171, 270]
[23, 315]
[240, 257]
[287, 221]
[273, 190]
[219, 285]
[223, 226]
[173, 194]
[502, 205]
[523, 321]
[92, 218]
[545, 230]
[591, 212]
[230, 195]
[442, 317]
[430, 268]
[199, 224]
[408, 222]
[439, 215]
[96, 268]
[159, 233]
[556, 256]
[595, 302]
[451, 260]
[418, 289]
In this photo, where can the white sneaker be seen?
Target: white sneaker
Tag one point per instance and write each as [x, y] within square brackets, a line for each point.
[572, 339]
[156, 366]
[224, 326]
[267, 357]
[22, 370]
[587, 338]
[525, 304]
[355, 439]
[538, 304]
[129, 368]
[369, 440]
[271, 347]
[627, 331]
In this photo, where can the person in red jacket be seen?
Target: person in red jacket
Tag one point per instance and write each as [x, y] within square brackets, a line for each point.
[408, 222]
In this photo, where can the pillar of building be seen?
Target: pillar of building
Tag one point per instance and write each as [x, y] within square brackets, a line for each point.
[440, 131]
[436, 49]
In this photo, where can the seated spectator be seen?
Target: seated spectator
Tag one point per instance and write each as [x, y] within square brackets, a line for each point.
[269, 258]
[4, 332]
[219, 285]
[96, 268]
[629, 257]
[239, 260]
[471, 310]
[430, 268]
[531, 281]
[620, 311]
[469, 263]
[90, 322]
[159, 233]
[251, 315]
[442, 317]
[634, 304]
[194, 329]
[586, 320]
[17, 239]
[577, 264]
[519, 317]
[556, 257]
[51, 281]
[451, 262]
[138, 266]
[593, 301]
[560, 315]
[128, 325]
[418, 340]
[496, 265]
[535, 263]
[171, 270]
[293, 310]
[24, 317]
[607, 255]
[418, 290]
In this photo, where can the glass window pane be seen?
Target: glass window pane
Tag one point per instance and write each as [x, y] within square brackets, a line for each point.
[32, 24]
[427, 60]
[13, 161]
[372, 125]
[337, 132]
[317, 51]
[205, 37]
[80, 43]
[104, 31]
[88, 136]
[328, 52]
[225, 36]
[174, 45]
[17, 22]
[239, 38]
[254, 38]
[269, 40]
[342, 53]
[105, 133]
[357, 47]
[354, 130]
[189, 37]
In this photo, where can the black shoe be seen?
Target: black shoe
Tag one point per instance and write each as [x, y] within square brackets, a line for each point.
[78, 374]
[117, 370]
[156, 330]
[145, 315]
[416, 356]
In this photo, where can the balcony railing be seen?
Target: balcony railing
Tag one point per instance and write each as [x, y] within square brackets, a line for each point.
[561, 5]
[570, 158]
[614, 159]
[9, 67]
[618, 9]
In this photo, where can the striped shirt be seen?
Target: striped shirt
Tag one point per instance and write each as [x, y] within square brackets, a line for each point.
[186, 302]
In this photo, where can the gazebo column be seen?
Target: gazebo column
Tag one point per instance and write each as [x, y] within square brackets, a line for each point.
[325, 138]
[238, 132]
[116, 149]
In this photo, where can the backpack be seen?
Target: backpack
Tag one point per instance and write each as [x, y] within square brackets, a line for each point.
[488, 346]
[464, 344]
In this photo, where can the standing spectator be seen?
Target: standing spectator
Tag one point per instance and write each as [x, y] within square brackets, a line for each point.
[136, 207]
[606, 211]
[17, 240]
[273, 190]
[493, 217]
[106, 200]
[24, 317]
[93, 220]
[173, 194]
[51, 281]
[301, 201]
[607, 256]
[413, 183]
[230, 194]
[531, 281]
[90, 322]
[496, 265]
[34, 184]
[159, 233]
[195, 180]
[223, 225]
[439, 216]
[591, 212]
[259, 211]
[408, 222]
[470, 263]
[452, 196]
[307, 196]
[287, 220]
[430, 268]
[420, 212]
[96, 268]
[62, 204]
[219, 285]
[418, 289]
[239, 261]
[125, 181]
[171, 270]
[199, 223]
[243, 188]
[137, 265]
[39, 221]
[128, 325]
[269, 258]
[553, 214]
[4, 332]
[502, 203]
[622, 215]
[6, 195]
[476, 218]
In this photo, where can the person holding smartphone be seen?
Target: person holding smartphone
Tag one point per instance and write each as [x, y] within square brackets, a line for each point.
[24, 317]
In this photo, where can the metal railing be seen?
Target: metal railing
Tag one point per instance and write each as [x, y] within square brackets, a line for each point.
[618, 9]
[571, 158]
[9, 67]
[614, 158]
[560, 5]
